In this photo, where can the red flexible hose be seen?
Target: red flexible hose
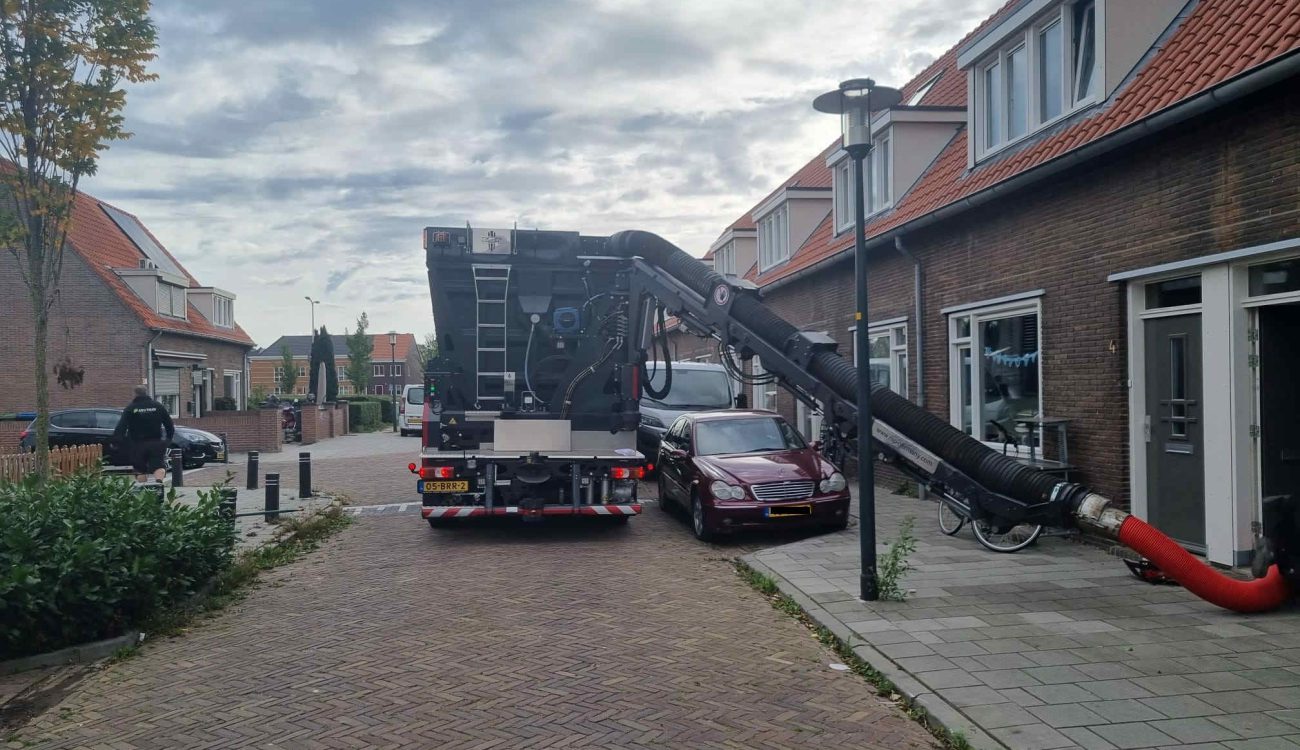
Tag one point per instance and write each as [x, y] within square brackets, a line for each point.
[1259, 595]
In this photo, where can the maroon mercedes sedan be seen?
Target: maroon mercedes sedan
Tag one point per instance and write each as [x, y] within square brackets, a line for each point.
[742, 469]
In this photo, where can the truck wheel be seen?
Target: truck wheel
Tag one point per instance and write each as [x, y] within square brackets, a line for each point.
[700, 520]
[439, 523]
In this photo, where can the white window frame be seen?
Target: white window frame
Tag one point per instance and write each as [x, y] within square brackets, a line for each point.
[896, 329]
[223, 311]
[916, 98]
[764, 393]
[237, 377]
[879, 178]
[395, 370]
[724, 259]
[378, 371]
[1029, 39]
[774, 237]
[977, 314]
[843, 198]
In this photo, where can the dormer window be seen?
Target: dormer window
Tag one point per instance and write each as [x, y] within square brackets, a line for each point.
[724, 259]
[879, 185]
[171, 300]
[774, 237]
[1033, 79]
[223, 312]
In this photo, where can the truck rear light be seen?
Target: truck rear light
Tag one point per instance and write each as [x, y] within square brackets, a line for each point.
[437, 472]
[625, 472]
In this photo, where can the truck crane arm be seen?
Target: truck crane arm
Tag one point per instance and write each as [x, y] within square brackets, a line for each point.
[998, 489]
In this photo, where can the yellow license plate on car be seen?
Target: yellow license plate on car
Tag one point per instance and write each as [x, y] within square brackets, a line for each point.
[786, 511]
[458, 485]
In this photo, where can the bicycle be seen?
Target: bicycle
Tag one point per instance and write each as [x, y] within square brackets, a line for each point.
[953, 515]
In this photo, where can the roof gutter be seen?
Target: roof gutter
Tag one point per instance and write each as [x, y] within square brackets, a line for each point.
[1248, 83]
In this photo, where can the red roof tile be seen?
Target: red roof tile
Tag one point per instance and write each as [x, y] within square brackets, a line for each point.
[102, 244]
[1218, 40]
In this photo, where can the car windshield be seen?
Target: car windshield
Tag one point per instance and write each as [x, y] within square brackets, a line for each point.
[415, 396]
[751, 435]
[692, 389]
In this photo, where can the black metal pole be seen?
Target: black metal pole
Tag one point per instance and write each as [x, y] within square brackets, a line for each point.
[229, 500]
[862, 348]
[252, 470]
[272, 509]
[304, 474]
[392, 384]
[178, 467]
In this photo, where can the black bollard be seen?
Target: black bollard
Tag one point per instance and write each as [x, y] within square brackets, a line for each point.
[178, 467]
[272, 498]
[252, 470]
[225, 447]
[304, 475]
[229, 499]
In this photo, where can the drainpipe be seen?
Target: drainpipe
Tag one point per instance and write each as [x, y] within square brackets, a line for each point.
[920, 327]
[148, 363]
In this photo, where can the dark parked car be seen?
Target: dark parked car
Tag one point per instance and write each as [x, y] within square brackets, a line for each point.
[89, 426]
[696, 386]
[736, 469]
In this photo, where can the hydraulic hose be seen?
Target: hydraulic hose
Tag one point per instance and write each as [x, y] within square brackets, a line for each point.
[1072, 504]
[1259, 595]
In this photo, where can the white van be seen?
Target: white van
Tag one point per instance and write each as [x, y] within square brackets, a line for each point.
[412, 406]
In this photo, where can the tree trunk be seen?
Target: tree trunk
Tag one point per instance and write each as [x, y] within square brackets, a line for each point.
[41, 317]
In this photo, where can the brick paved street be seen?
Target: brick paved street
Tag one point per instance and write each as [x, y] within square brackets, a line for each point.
[398, 636]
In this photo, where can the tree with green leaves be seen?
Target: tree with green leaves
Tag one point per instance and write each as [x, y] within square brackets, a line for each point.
[322, 351]
[428, 348]
[360, 354]
[288, 367]
[62, 67]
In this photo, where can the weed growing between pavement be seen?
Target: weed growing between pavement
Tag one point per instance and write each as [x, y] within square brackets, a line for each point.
[893, 565]
[766, 585]
[300, 536]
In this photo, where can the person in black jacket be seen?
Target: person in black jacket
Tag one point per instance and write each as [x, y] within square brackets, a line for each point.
[146, 431]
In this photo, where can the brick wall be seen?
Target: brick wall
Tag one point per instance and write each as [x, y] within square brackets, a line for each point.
[310, 423]
[220, 357]
[1225, 181]
[256, 430]
[88, 323]
[9, 435]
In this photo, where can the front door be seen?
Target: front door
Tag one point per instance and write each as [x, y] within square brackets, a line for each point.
[1279, 399]
[1175, 428]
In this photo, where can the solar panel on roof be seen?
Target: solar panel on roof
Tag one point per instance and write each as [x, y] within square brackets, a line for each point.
[135, 231]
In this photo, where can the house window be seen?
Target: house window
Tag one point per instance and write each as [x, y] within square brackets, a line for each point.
[302, 371]
[172, 402]
[397, 370]
[921, 92]
[995, 366]
[887, 345]
[843, 189]
[774, 238]
[724, 259]
[879, 172]
[223, 312]
[341, 371]
[1174, 292]
[379, 371]
[171, 300]
[1280, 277]
[1034, 78]
[233, 383]
[764, 392]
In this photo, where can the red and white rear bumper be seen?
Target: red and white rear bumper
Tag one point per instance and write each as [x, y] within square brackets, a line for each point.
[471, 511]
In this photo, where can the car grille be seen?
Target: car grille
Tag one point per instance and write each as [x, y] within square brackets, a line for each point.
[795, 490]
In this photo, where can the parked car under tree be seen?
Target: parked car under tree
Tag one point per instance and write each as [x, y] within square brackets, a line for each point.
[95, 427]
[738, 469]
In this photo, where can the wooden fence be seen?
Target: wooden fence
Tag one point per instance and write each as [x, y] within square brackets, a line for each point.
[62, 461]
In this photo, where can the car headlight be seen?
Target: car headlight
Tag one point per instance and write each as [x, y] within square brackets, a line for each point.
[723, 491]
[650, 420]
[834, 483]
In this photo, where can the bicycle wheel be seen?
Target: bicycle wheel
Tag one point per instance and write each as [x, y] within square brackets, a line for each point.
[950, 519]
[1010, 539]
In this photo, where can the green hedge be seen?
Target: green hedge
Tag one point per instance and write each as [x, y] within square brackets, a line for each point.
[363, 415]
[385, 405]
[88, 557]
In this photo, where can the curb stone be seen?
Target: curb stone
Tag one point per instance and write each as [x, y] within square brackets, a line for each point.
[79, 654]
[934, 707]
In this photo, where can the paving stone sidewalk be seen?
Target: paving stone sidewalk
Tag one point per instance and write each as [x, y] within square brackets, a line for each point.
[1056, 646]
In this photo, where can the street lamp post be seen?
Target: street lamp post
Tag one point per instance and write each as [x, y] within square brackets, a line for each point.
[854, 101]
[313, 302]
[392, 364]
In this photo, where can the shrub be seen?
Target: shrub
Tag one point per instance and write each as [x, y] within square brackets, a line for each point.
[363, 415]
[87, 557]
[224, 403]
[385, 404]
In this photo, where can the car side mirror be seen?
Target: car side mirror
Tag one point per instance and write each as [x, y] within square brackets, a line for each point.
[742, 401]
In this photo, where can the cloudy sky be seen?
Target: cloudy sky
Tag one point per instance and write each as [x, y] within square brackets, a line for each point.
[297, 147]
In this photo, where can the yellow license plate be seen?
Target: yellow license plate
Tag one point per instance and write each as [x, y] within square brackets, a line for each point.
[458, 485]
[783, 511]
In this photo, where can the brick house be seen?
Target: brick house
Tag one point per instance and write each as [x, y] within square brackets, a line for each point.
[389, 370]
[129, 314]
[1097, 203]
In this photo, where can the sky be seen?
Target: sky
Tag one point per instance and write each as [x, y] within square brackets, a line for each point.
[294, 148]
